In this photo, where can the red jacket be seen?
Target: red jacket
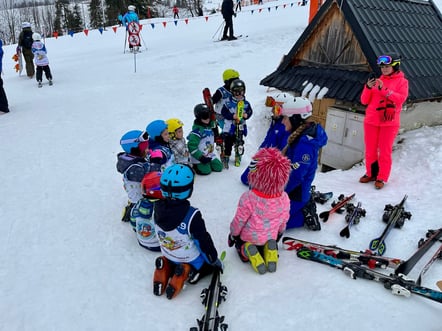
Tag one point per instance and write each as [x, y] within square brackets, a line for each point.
[393, 94]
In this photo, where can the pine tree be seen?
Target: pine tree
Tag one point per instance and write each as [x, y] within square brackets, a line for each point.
[96, 14]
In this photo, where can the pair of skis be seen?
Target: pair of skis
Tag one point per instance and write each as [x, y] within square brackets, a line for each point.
[398, 284]
[394, 216]
[211, 298]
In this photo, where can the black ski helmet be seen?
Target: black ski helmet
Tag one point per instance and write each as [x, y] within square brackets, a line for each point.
[237, 85]
[201, 111]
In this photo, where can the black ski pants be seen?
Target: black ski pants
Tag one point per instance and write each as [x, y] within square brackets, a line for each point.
[47, 71]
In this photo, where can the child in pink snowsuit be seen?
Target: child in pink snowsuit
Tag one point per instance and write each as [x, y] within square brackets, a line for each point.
[263, 211]
[384, 97]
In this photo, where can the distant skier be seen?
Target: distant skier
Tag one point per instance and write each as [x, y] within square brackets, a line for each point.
[25, 47]
[228, 13]
[41, 59]
[131, 16]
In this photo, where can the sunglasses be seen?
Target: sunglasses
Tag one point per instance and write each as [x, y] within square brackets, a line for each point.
[143, 137]
[238, 92]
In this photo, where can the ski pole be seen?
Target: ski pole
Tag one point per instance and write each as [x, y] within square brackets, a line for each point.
[145, 45]
[219, 28]
[125, 39]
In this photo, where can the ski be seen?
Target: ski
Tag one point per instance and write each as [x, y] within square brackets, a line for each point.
[354, 214]
[342, 201]
[406, 266]
[398, 284]
[239, 141]
[366, 258]
[394, 217]
[436, 255]
[237, 37]
[319, 196]
[211, 297]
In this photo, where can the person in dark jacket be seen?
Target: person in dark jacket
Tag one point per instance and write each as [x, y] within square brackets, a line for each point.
[188, 252]
[303, 144]
[25, 44]
[228, 13]
[4, 108]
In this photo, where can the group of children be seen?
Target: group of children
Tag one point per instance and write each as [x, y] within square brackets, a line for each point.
[159, 166]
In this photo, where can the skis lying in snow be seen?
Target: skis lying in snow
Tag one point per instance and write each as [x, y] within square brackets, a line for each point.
[354, 214]
[342, 201]
[211, 297]
[398, 284]
[405, 267]
[366, 258]
[394, 216]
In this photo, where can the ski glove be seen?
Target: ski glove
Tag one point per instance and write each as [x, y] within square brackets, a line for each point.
[231, 240]
[156, 156]
[389, 114]
[204, 159]
[218, 265]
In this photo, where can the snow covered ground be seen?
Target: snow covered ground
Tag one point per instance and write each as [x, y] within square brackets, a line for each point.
[67, 262]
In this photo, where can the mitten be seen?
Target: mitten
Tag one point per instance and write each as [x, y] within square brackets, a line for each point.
[389, 114]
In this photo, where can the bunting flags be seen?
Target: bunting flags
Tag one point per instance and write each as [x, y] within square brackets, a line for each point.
[175, 21]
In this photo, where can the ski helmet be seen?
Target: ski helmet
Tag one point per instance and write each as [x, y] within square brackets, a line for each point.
[36, 36]
[390, 58]
[288, 105]
[150, 185]
[173, 124]
[177, 182]
[133, 139]
[237, 85]
[26, 25]
[156, 128]
[201, 111]
[131, 8]
[229, 74]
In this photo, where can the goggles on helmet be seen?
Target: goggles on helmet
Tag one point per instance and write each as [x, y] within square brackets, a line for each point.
[386, 60]
[143, 137]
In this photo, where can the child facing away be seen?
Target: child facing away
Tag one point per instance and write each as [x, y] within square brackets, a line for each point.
[141, 216]
[177, 142]
[262, 212]
[41, 60]
[234, 122]
[159, 144]
[276, 136]
[133, 165]
[201, 143]
[188, 252]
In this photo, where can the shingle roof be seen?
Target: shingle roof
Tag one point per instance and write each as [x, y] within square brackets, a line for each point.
[411, 28]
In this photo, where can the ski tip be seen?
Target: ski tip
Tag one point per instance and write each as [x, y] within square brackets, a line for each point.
[223, 255]
[324, 216]
[345, 232]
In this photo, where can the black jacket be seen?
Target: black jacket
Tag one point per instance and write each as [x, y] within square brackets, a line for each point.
[227, 8]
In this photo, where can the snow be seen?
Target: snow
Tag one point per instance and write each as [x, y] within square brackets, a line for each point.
[67, 262]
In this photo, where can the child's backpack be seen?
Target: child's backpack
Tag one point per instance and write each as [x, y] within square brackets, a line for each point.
[27, 39]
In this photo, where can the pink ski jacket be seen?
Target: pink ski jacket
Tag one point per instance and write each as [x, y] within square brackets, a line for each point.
[259, 217]
[393, 94]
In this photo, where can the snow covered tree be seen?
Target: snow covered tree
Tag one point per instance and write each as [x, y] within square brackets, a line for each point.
[96, 14]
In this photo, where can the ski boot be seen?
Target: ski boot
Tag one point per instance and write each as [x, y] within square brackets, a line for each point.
[255, 258]
[125, 217]
[311, 219]
[163, 271]
[50, 82]
[39, 84]
[225, 160]
[176, 283]
[271, 255]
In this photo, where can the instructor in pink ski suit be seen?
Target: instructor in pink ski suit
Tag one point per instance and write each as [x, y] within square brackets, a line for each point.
[384, 97]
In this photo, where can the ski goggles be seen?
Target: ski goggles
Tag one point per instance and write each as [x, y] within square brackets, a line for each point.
[386, 60]
[143, 137]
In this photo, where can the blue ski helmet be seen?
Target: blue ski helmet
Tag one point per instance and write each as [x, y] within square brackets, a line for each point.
[132, 139]
[155, 128]
[177, 182]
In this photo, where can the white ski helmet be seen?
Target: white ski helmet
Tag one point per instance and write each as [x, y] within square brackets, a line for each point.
[290, 105]
[36, 36]
[26, 25]
[131, 7]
